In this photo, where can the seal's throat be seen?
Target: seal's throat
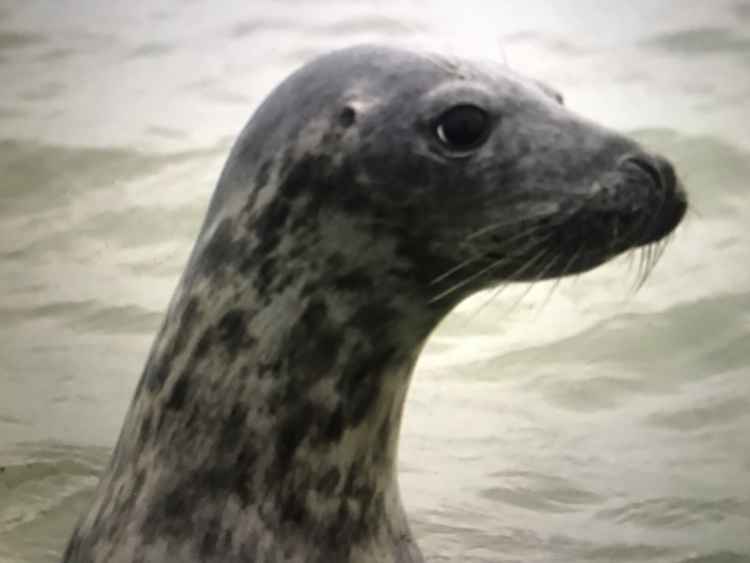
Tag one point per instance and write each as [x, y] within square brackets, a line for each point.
[271, 416]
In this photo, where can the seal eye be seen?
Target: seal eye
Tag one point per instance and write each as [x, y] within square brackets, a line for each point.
[462, 128]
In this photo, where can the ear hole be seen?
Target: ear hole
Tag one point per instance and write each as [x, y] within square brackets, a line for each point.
[347, 116]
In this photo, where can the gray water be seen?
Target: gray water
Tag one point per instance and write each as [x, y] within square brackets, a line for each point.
[576, 423]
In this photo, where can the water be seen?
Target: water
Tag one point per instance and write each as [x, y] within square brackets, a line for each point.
[580, 424]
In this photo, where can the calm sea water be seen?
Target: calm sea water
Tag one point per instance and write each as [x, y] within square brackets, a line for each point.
[586, 423]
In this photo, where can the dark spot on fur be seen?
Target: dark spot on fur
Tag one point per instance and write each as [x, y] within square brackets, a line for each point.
[144, 432]
[364, 397]
[210, 538]
[327, 483]
[214, 479]
[336, 261]
[269, 368]
[232, 427]
[171, 514]
[232, 330]
[382, 439]
[307, 173]
[177, 396]
[126, 497]
[309, 289]
[293, 508]
[415, 250]
[261, 177]
[243, 474]
[305, 223]
[356, 282]
[204, 345]
[175, 502]
[356, 199]
[289, 277]
[226, 539]
[314, 341]
[189, 425]
[266, 274]
[221, 250]
[299, 176]
[262, 251]
[268, 227]
[186, 323]
[351, 476]
[337, 531]
[333, 428]
[161, 417]
[360, 383]
[155, 373]
[374, 317]
[416, 172]
[347, 116]
[291, 432]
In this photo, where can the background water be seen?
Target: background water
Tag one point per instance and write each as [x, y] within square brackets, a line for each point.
[586, 424]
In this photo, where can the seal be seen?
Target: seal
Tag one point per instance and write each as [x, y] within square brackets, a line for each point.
[372, 191]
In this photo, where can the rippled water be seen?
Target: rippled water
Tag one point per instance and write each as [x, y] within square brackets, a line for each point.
[584, 424]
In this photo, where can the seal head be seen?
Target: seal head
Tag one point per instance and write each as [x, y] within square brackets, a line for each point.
[448, 151]
[372, 191]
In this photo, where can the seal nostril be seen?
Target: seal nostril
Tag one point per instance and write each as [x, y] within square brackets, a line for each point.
[649, 167]
[666, 171]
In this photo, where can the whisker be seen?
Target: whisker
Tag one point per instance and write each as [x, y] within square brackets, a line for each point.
[631, 260]
[455, 287]
[523, 295]
[652, 260]
[528, 233]
[455, 269]
[495, 292]
[658, 252]
[499, 248]
[505, 284]
[639, 272]
[559, 278]
[466, 281]
[648, 264]
[510, 223]
[636, 254]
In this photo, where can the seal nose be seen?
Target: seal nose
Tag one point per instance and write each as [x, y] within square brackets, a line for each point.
[668, 199]
[658, 169]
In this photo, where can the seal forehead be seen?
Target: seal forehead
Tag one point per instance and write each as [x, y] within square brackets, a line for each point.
[372, 79]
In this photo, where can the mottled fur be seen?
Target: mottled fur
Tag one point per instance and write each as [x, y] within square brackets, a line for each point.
[265, 425]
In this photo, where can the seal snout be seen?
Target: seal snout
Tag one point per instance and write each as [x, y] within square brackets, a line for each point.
[657, 169]
[667, 200]
[635, 203]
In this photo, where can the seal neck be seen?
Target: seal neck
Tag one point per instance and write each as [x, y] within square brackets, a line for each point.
[283, 401]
